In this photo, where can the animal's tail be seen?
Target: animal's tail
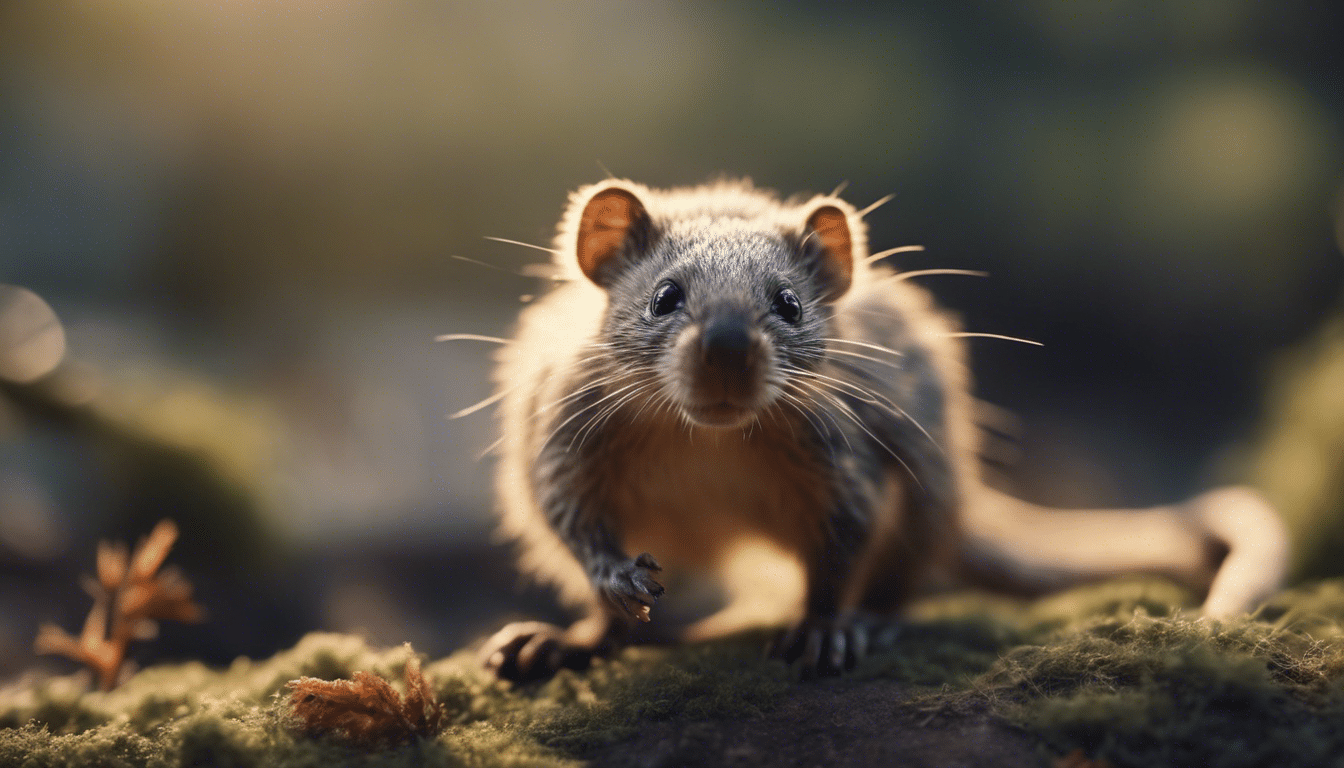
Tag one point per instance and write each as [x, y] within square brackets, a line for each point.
[1227, 540]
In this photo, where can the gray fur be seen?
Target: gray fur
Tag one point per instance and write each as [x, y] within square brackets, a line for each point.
[843, 436]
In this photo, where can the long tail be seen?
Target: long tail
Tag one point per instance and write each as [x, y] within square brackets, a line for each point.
[1227, 540]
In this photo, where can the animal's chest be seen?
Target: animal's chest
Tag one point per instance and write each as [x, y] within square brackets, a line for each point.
[688, 496]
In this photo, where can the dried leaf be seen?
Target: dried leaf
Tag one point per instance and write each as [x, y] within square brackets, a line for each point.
[366, 711]
[153, 550]
[128, 595]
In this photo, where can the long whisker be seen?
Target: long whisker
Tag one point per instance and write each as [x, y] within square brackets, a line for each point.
[471, 337]
[487, 265]
[812, 392]
[774, 414]
[891, 252]
[923, 272]
[491, 400]
[597, 383]
[840, 188]
[489, 449]
[611, 410]
[582, 410]
[800, 406]
[878, 399]
[968, 335]
[879, 361]
[849, 412]
[519, 242]
[869, 345]
[878, 204]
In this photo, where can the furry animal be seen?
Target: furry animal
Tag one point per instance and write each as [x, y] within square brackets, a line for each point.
[725, 382]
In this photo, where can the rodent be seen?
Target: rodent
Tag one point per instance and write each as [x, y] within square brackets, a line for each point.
[719, 369]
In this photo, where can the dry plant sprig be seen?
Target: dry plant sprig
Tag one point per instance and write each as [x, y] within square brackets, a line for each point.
[129, 595]
[366, 711]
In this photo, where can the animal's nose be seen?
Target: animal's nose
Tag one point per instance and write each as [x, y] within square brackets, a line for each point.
[725, 342]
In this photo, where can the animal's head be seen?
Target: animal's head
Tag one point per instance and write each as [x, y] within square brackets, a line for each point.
[717, 296]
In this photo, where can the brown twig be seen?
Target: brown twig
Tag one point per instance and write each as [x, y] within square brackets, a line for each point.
[129, 595]
[366, 711]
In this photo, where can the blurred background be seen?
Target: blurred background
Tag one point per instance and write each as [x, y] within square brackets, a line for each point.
[227, 234]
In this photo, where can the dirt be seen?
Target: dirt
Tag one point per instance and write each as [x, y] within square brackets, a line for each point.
[833, 725]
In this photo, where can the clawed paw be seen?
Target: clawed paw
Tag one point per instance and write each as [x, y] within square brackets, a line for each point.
[533, 650]
[631, 587]
[826, 646]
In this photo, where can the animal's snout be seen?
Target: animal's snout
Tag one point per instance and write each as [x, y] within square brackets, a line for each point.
[726, 343]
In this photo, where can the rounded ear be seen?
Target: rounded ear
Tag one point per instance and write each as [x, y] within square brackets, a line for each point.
[829, 225]
[611, 219]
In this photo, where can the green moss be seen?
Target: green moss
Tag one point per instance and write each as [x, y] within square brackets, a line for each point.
[1120, 670]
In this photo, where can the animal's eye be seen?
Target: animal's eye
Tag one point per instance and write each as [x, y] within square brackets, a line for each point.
[667, 298]
[787, 306]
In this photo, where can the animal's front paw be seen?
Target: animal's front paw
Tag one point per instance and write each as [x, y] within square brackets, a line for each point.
[828, 645]
[534, 650]
[631, 587]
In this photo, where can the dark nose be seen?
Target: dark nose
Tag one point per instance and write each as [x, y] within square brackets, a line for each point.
[725, 342]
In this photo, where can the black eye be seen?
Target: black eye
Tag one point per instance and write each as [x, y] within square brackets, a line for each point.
[667, 298]
[787, 306]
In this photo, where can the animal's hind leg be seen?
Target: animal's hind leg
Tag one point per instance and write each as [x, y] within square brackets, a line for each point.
[533, 650]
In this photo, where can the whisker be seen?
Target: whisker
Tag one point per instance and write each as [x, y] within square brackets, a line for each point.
[859, 423]
[878, 204]
[841, 187]
[520, 242]
[869, 345]
[812, 393]
[879, 361]
[877, 399]
[471, 337]
[585, 408]
[491, 400]
[969, 335]
[798, 405]
[648, 400]
[600, 382]
[775, 417]
[489, 449]
[891, 252]
[486, 264]
[923, 272]
[602, 418]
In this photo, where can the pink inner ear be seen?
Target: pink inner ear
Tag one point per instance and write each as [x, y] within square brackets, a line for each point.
[603, 228]
[832, 228]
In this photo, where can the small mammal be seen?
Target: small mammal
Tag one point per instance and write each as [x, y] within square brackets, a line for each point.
[725, 370]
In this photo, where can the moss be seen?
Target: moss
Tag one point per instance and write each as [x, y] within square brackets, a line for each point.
[1121, 671]
[1176, 690]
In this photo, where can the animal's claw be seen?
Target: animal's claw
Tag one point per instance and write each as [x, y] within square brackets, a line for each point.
[631, 587]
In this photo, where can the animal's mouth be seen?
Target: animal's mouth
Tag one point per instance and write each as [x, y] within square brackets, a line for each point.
[720, 414]
[721, 368]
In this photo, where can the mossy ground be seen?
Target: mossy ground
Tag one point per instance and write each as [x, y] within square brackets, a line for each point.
[1120, 670]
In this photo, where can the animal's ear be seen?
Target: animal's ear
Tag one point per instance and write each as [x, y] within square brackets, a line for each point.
[828, 225]
[613, 223]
